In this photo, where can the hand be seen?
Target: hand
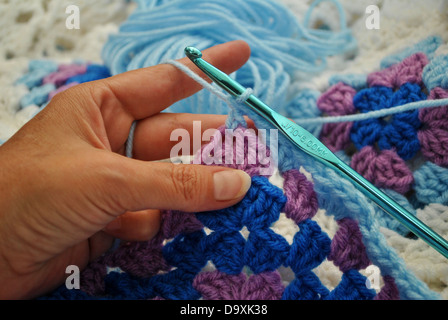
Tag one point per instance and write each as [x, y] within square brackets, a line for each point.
[67, 189]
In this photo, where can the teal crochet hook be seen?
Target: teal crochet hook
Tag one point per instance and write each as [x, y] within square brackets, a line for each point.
[306, 142]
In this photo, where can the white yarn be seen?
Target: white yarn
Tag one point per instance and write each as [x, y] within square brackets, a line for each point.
[36, 28]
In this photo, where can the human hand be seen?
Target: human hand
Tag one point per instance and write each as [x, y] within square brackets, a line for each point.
[67, 189]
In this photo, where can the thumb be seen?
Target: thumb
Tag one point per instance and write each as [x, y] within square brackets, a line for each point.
[184, 187]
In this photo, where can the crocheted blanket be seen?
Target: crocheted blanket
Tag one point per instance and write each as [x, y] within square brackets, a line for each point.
[301, 232]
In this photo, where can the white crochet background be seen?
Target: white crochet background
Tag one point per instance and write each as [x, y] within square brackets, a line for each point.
[32, 29]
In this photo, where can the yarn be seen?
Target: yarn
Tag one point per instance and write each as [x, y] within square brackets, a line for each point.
[159, 31]
[47, 78]
[433, 136]
[38, 70]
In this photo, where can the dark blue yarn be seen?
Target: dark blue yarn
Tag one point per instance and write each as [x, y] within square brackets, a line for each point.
[399, 132]
[94, 72]
[265, 250]
[310, 247]
[175, 285]
[373, 98]
[352, 287]
[366, 132]
[186, 251]
[225, 250]
[62, 293]
[307, 286]
[258, 210]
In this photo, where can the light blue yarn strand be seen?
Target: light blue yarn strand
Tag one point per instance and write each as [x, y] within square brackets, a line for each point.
[160, 30]
[377, 113]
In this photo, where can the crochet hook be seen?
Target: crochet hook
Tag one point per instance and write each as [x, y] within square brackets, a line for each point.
[306, 142]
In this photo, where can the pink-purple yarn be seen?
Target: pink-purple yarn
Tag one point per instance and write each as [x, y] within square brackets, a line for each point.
[64, 72]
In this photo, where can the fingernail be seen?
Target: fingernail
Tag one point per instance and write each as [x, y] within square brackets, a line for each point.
[114, 225]
[230, 184]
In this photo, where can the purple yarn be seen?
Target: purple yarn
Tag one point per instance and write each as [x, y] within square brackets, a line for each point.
[389, 291]
[176, 222]
[250, 160]
[61, 89]
[433, 136]
[217, 285]
[407, 71]
[64, 72]
[347, 249]
[302, 200]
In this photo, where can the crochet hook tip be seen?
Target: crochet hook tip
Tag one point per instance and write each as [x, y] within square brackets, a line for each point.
[193, 53]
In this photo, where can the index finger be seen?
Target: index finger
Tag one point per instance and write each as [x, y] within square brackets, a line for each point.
[148, 91]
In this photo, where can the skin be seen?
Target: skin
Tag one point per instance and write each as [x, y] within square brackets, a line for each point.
[67, 190]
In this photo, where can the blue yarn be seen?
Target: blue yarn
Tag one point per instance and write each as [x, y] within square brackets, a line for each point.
[310, 247]
[265, 250]
[306, 287]
[374, 98]
[159, 31]
[431, 184]
[385, 220]
[186, 251]
[435, 73]
[400, 132]
[38, 95]
[226, 251]
[428, 46]
[302, 107]
[38, 70]
[356, 81]
[175, 285]
[377, 113]
[352, 287]
[93, 72]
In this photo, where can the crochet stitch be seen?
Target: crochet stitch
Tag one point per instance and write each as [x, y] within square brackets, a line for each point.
[384, 146]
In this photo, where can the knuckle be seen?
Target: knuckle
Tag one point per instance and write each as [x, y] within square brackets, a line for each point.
[186, 181]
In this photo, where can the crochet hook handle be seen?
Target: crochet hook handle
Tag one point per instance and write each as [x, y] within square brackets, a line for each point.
[305, 141]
